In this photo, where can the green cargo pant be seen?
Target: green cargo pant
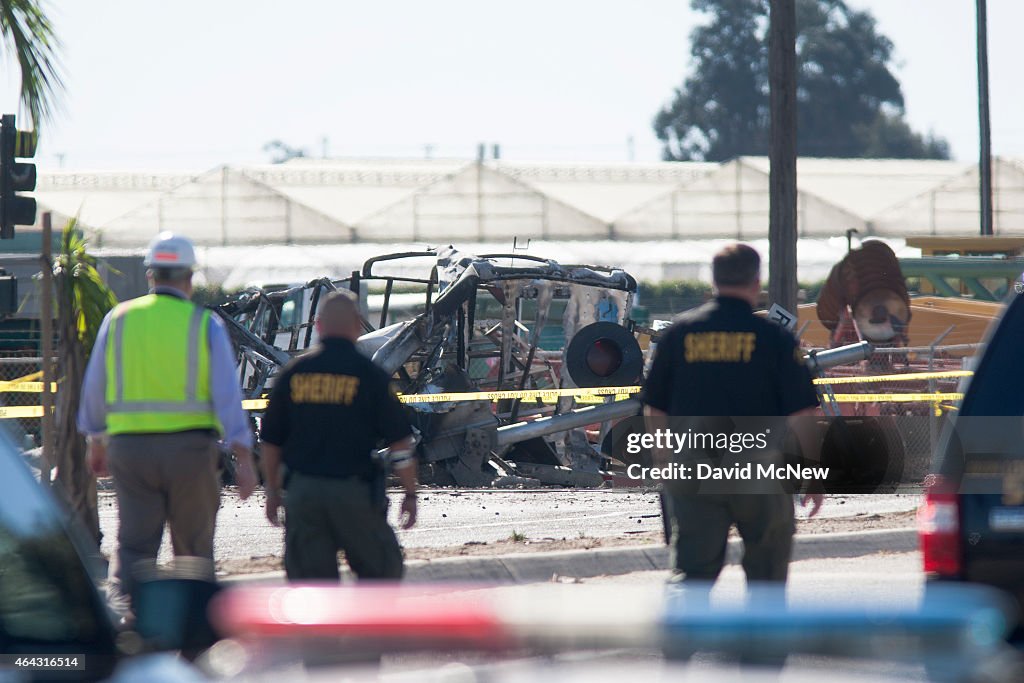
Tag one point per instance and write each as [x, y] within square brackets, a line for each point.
[325, 515]
[700, 524]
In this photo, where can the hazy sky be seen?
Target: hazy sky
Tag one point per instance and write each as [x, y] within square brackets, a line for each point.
[194, 83]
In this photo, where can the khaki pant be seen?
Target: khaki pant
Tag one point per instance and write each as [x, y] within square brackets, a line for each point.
[700, 531]
[325, 515]
[163, 478]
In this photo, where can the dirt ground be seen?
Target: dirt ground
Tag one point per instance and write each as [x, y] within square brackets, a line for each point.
[823, 525]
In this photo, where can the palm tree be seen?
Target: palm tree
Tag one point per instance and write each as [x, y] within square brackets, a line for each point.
[83, 299]
[27, 36]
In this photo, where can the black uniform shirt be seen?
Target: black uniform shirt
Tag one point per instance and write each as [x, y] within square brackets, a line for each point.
[329, 409]
[722, 360]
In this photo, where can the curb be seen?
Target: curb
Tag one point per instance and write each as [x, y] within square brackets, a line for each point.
[541, 567]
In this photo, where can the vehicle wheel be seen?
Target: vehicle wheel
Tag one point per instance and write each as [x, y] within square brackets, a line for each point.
[862, 455]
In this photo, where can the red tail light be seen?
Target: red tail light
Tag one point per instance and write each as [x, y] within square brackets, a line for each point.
[938, 524]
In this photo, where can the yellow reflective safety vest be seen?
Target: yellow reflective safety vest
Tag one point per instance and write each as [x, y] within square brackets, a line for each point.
[158, 367]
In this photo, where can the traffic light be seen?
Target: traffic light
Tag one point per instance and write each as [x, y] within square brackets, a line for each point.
[16, 177]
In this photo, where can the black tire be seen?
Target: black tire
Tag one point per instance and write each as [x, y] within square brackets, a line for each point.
[630, 362]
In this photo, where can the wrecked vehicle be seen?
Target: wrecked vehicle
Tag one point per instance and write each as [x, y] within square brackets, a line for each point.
[509, 323]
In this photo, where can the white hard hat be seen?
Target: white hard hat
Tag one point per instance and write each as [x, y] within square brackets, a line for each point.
[168, 250]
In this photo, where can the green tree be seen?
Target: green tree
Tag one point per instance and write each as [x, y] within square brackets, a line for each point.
[890, 136]
[849, 103]
[281, 152]
[29, 39]
[83, 299]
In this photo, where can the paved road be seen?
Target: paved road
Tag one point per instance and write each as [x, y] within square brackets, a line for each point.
[626, 603]
[453, 518]
[890, 580]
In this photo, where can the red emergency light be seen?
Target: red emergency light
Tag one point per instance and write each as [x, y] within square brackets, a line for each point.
[390, 612]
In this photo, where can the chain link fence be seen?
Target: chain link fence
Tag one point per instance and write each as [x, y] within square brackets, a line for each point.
[919, 390]
[24, 366]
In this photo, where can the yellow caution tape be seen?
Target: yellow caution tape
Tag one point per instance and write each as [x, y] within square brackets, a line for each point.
[28, 383]
[24, 384]
[582, 395]
[620, 393]
[8, 412]
[905, 377]
[893, 398]
[31, 377]
[526, 394]
[597, 399]
[28, 387]
[588, 396]
[592, 395]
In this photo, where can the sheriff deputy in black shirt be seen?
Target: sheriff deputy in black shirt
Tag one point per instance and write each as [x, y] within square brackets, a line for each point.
[327, 414]
[721, 360]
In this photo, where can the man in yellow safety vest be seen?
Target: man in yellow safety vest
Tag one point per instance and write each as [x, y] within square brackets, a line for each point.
[160, 389]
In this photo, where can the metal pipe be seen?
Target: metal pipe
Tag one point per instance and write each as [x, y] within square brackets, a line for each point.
[522, 431]
[819, 361]
[388, 288]
[933, 428]
[22, 360]
[938, 340]
[964, 266]
[950, 348]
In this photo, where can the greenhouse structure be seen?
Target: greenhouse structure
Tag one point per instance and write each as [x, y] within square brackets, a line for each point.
[310, 217]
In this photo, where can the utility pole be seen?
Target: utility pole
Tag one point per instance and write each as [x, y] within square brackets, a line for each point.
[46, 351]
[782, 229]
[985, 133]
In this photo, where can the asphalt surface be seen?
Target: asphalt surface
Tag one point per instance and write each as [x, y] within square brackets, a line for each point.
[881, 580]
[889, 579]
[878, 582]
[450, 517]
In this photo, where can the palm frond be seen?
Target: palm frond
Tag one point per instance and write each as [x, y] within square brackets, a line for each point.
[29, 38]
[81, 292]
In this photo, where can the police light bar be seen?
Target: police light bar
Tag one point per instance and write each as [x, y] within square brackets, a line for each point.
[555, 617]
[388, 613]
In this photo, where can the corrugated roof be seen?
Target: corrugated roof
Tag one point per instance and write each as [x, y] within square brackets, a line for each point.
[98, 197]
[605, 191]
[306, 200]
[646, 260]
[865, 187]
